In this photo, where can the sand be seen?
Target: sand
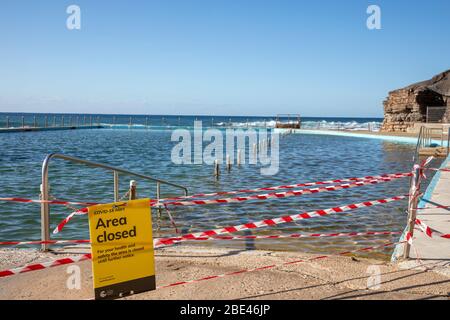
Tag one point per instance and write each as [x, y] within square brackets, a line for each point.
[338, 277]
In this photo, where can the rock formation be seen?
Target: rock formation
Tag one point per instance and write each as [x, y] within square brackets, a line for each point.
[408, 105]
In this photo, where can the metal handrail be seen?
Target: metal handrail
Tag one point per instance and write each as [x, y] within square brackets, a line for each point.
[425, 138]
[45, 208]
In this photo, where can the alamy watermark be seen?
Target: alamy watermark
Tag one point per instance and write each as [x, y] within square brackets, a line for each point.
[73, 21]
[74, 280]
[373, 22]
[260, 147]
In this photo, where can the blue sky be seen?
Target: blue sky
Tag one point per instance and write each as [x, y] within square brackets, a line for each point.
[246, 57]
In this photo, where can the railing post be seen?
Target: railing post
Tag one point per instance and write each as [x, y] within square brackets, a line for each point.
[133, 192]
[23, 122]
[45, 223]
[7, 122]
[116, 186]
[46, 121]
[414, 191]
[158, 196]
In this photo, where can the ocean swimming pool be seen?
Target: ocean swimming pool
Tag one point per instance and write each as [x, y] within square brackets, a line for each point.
[303, 158]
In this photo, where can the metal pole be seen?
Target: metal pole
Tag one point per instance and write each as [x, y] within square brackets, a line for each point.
[116, 186]
[7, 122]
[45, 222]
[35, 123]
[54, 121]
[158, 196]
[62, 121]
[412, 207]
[46, 121]
[23, 122]
[133, 193]
[228, 163]
[239, 158]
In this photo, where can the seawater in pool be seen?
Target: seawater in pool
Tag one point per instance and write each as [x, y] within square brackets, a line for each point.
[303, 158]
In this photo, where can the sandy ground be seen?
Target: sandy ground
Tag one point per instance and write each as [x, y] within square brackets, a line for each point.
[337, 277]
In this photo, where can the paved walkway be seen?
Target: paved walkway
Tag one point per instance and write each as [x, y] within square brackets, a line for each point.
[435, 250]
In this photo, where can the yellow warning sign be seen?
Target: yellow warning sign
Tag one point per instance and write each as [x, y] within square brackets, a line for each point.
[122, 248]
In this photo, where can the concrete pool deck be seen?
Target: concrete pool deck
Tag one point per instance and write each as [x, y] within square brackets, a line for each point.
[402, 137]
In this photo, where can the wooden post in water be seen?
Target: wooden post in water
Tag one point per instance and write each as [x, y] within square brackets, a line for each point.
[133, 192]
[216, 169]
[414, 192]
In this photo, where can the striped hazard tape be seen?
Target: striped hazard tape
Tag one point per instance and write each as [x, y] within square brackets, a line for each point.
[44, 265]
[234, 273]
[278, 195]
[154, 202]
[429, 231]
[279, 220]
[291, 186]
[88, 256]
[276, 236]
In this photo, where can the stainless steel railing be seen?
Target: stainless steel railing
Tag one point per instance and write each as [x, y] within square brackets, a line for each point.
[425, 139]
[45, 187]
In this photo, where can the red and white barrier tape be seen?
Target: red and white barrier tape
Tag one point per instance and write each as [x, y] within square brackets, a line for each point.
[84, 211]
[293, 193]
[284, 236]
[439, 169]
[60, 202]
[429, 231]
[276, 236]
[280, 220]
[20, 243]
[44, 265]
[74, 259]
[233, 273]
[291, 186]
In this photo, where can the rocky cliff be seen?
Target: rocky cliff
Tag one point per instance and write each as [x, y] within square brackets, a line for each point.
[408, 105]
